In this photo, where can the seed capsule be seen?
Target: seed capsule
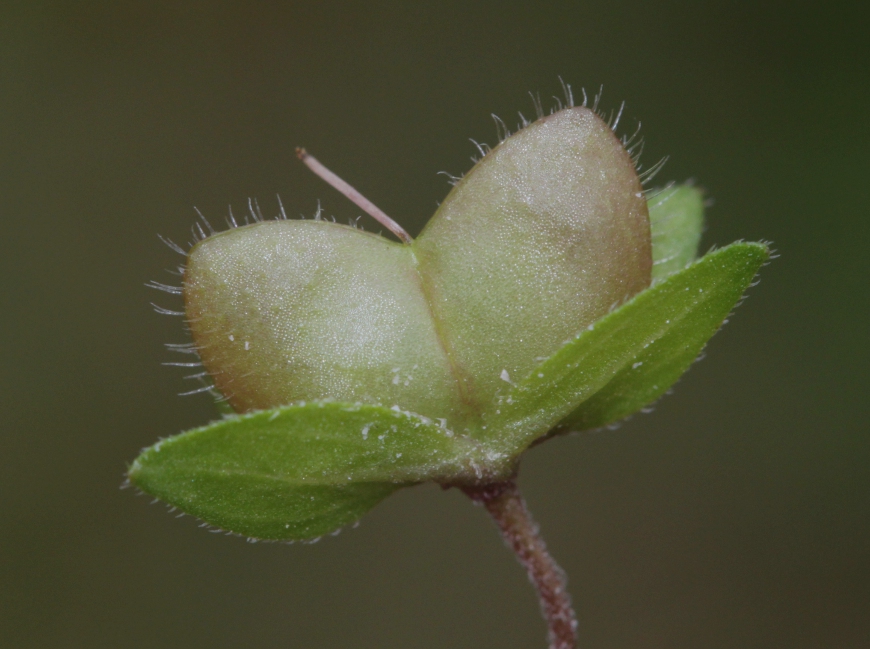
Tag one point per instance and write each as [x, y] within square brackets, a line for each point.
[540, 239]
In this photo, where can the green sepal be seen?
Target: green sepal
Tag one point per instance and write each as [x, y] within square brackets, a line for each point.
[628, 358]
[676, 216]
[299, 471]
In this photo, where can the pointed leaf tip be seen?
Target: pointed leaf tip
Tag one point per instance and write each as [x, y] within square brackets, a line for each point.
[630, 357]
[299, 471]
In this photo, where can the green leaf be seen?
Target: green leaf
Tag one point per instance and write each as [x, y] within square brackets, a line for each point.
[676, 217]
[298, 471]
[630, 357]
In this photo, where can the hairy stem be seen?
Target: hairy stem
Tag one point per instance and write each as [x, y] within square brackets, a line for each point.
[505, 504]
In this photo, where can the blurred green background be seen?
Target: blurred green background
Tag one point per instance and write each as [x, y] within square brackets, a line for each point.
[737, 514]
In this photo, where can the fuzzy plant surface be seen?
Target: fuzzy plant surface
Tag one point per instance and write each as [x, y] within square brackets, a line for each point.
[549, 293]
[546, 295]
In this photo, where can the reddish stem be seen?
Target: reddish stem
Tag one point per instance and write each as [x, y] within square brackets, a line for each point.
[505, 504]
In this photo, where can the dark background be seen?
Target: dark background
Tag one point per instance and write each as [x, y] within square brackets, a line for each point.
[736, 515]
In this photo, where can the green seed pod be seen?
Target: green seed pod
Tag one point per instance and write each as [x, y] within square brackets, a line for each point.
[285, 311]
[541, 238]
[546, 234]
[359, 365]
